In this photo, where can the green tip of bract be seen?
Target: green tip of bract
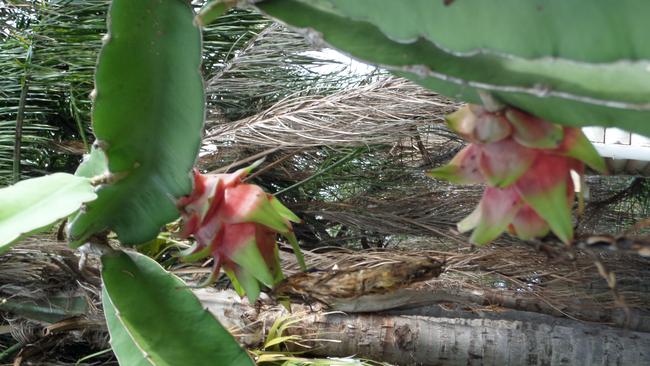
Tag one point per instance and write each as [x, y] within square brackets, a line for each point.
[463, 121]
[254, 166]
[577, 146]
[462, 169]
[249, 258]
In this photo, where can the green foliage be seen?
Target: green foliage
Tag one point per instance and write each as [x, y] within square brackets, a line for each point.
[34, 204]
[48, 51]
[541, 57]
[159, 89]
[224, 38]
[34, 136]
[274, 350]
[50, 310]
[154, 319]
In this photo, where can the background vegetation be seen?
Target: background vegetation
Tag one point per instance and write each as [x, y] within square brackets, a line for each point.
[345, 149]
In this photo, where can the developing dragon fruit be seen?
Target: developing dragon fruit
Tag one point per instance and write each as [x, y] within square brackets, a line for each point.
[237, 224]
[526, 163]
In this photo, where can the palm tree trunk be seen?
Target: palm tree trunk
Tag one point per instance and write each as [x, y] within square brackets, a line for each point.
[532, 339]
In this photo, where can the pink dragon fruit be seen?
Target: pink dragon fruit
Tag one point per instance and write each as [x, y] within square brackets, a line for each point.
[526, 163]
[237, 224]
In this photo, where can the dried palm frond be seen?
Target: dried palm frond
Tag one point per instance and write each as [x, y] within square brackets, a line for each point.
[381, 112]
[50, 304]
[264, 67]
[616, 203]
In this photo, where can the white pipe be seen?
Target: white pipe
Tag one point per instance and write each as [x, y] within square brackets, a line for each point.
[623, 152]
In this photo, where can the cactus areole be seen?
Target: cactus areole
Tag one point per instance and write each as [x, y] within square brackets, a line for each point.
[237, 224]
[526, 163]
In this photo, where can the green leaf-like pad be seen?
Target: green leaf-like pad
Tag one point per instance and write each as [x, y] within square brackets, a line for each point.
[147, 117]
[34, 204]
[577, 63]
[154, 319]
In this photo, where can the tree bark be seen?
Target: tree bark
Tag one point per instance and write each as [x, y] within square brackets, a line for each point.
[532, 339]
[422, 301]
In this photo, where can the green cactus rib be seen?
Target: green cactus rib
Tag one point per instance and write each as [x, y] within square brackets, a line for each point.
[147, 116]
[530, 56]
[155, 319]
